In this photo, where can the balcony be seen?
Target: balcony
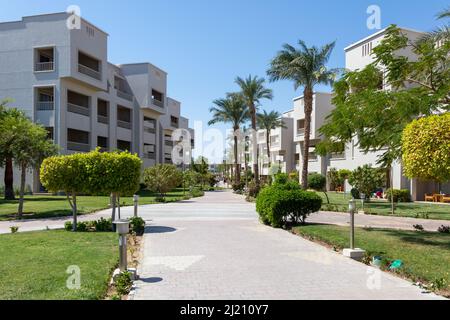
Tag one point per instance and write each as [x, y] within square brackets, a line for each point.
[89, 66]
[44, 66]
[124, 95]
[44, 60]
[77, 146]
[313, 157]
[150, 130]
[150, 155]
[78, 109]
[124, 124]
[169, 143]
[301, 132]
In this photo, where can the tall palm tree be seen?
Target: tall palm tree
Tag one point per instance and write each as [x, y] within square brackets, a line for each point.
[253, 91]
[269, 121]
[233, 110]
[305, 66]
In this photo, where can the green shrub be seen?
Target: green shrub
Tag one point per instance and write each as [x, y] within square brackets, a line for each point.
[238, 187]
[197, 193]
[294, 175]
[317, 181]
[399, 195]
[278, 204]
[137, 224]
[253, 189]
[103, 225]
[68, 226]
[444, 229]
[162, 178]
[355, 193]
[123, 283]
[14, 229]
[367, 179]
[82, 226]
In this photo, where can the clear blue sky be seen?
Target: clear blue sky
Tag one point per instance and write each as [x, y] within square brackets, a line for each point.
[205, 44]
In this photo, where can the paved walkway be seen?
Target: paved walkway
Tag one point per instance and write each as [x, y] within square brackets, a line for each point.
[215, 248]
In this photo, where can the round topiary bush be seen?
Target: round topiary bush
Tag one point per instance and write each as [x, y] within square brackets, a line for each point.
[277, 205]
[317, 181]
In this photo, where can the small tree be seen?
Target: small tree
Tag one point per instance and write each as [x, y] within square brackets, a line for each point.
[426, 148]
[366, 179]
[318, 182]
[162, 178]
[68, 174]
[30, 148]
[113, 173]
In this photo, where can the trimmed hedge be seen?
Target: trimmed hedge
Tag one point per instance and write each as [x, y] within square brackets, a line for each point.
[399, 195]
[281, 203]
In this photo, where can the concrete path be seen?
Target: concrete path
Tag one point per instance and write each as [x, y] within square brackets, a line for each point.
[215, 248]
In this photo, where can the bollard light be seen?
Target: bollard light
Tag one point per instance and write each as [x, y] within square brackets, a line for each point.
[352, 210]
[123, 228]
[136, 204]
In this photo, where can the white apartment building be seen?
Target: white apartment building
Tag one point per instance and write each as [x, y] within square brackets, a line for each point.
[62, 79]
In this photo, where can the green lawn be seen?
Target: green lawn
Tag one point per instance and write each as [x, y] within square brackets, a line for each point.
[426, 255]
[33, 265]
[54, 206]
[339, 202]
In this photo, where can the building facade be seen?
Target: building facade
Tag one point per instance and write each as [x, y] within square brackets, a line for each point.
[61, 78]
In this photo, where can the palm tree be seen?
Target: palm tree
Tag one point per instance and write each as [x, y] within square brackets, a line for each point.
[253, 91]
[304, 66]
[441, 33]
[269, 121]
[233, 110]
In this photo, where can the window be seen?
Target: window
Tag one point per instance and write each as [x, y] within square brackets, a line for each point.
[78, 140]
[123, 117]
[89, 66]
[124, 145]
[103, 111]
[78, 103]
[102, 142]
[45, 99]
[174, 121]
[367, 49]
[44, 59]
[300, 126]
[50, 133]
[90, 31]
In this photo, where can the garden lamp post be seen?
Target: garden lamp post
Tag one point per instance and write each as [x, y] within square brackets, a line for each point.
[352, 252]
[363, 198]
[123, 228]
[136, 204]
[352, 209]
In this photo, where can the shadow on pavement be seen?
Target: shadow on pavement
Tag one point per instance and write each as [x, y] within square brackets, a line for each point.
[151, 280]
[157, 229]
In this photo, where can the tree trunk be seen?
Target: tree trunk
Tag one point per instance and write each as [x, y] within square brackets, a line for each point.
[308, 96]
[74, 211]
[22, 190]
[268, 147]
[9, 180]
[236, 160]
[255, 143]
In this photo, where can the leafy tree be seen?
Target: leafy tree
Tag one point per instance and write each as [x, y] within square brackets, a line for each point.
[426, 148]
[306, 67]
[318, 182]
[420, 86]
[269, 121]
[162, 178]
[253, 90]
[113, 173]
[231, 110]
[9, 118]
[30, 148]
[441, 33]
[367, 179]
[68, 174]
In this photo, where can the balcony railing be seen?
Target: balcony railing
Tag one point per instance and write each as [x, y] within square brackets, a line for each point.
[150, 130]
[301, 132]
[45, 105]
[337, 156]
[78, 109]
[158, 103]
[89, 72]
[44, 66]
[150, 155]
[169, 143]
[77, 146]
[102, 119]
[124, 95]
[124, 124]
[174, 124]
[313, 157]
